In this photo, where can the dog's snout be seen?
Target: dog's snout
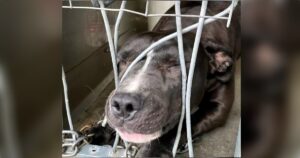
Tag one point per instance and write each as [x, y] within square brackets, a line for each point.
[125, 105]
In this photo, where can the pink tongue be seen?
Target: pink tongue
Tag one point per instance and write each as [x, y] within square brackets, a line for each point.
[138, 138]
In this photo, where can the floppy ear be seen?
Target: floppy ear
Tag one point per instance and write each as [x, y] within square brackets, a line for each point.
[220, 59]
[221, 65]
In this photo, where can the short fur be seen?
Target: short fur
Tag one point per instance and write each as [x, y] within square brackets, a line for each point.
[160, 93]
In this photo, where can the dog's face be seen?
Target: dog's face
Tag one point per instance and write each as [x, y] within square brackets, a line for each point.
[148, 101]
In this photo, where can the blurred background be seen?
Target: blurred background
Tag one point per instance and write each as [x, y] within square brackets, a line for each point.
[270, 79]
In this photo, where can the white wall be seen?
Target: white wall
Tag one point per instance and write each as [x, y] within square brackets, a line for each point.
[157, 7]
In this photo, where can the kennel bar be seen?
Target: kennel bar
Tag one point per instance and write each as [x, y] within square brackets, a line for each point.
[183, 75]
[237, 151]
[186, 87]
[190, 77]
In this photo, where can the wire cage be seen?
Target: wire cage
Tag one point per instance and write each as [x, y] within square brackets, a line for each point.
[71, 138]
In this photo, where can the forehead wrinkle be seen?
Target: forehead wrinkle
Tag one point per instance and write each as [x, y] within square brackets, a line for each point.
[165, 54]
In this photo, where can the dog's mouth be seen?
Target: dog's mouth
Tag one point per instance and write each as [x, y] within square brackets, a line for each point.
[136, 118]
[138, 137]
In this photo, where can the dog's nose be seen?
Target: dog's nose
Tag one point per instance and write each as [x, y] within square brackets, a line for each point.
[125, 105]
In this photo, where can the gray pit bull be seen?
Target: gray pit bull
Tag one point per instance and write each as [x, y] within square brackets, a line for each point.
[146, 107]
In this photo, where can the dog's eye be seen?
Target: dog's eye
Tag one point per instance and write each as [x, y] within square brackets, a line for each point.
[173, 66]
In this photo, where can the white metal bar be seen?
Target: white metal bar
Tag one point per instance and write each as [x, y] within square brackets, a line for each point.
[168, 37]
[190, 77]
[67, 100]
[116, 142]
[113, 58]
[143, 14]
[70, 154]
[237, 152]
[67, 106]
[230, 13]
[147, 8]
[70, 132]
[183, 75]
[110, 43]
[70, 3]
[117, 25]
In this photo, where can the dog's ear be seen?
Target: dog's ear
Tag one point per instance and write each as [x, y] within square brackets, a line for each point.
[221, 61]
[221, 65]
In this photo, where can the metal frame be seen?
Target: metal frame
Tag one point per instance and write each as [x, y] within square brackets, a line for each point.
[186, 81]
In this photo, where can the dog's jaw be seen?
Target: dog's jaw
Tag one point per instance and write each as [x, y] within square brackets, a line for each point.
[137, 137]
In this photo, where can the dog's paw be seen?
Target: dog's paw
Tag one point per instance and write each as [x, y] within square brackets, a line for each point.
[98, 135]
[221, 62]
[182, 148]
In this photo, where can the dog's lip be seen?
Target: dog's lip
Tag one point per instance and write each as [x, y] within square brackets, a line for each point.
[137, 137]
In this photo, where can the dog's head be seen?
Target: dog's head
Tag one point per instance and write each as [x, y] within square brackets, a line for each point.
[148, 102]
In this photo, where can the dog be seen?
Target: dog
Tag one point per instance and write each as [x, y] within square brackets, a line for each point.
[146, 107]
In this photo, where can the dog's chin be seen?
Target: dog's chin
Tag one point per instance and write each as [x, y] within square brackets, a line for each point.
[138, 137]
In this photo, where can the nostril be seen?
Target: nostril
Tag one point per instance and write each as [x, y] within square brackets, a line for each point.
[124, 105]
[129, 108]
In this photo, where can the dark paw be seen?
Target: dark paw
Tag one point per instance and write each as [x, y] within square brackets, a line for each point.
[182, 148]
[98, 135]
